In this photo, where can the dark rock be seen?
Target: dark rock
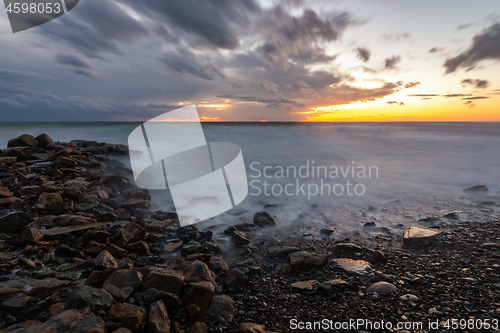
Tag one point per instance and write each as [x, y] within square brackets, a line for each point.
[245, 227]
[116, 251]
[4, 192]
[201, 294]
[222, 308]
[173, 247]
[140, 248]
[353, 267]
[236, 278]
[66, 251]
[24, 140]
[172, 302]
[67, 321]
[122, 283]
[165, 280]
[31, 234]
[12, 220]
[218, 264]
[302, 259]
[158, 321]
[60, 208]
[263, 220]
[334, 285]
[105, 260]
[137, 193]
[346, 248]
[240, 238]
[131, 316]
[134, 232]
[44, 140]
[378, 256]
[327, 231]
[83, 296]
[477, 189]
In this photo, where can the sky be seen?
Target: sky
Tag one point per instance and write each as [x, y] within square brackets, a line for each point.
[251, 60]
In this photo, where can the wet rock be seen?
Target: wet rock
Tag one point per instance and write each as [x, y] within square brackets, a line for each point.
[131, 316]
[476, 189]
[353, 267]
[95, 235]
[165, 280]
[134, 232]
[240, 238]
[137, 193]
[282, 250]
[105, 260]
[173, 247]
[218, 264]
[236, 278]
[327, 231]
[204, 257]
[419, 237]
[305, 285]
[31, 234]
[12, 220]
[116, 251]
[303, 259]
[27, 262]
[158, 321]
[24, 140]
[172, 302]
[60, 208]
[8, 160]
[263, 220]
[70, 220]
[452, 216]
[332, 286]
[222, 308]
[8, 293]
[382, 288]
[152, 225]
[122, 283]
[67, 321]
[346, 248]
[83, 296]
[18, 304]
[251, 328]
[245, 227]
[44, 140]
[11, 203]
[201, 294]
[98, 278]
[141, 248]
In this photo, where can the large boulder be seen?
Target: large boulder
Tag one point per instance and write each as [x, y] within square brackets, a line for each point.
[158, 321]
[200, 294]
[131, 316]
[222, 308]
[24, 140]
[303, 259]
[165, 280]
[44, 140]
[122, 283]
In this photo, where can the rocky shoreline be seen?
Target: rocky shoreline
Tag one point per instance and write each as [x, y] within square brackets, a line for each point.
[81, 251]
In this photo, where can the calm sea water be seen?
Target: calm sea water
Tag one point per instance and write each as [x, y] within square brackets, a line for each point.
[410, 162]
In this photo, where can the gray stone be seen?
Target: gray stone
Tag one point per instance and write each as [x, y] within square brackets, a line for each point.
[165, 280]
[158, 321]
[419, 237]
[302, 259]
[263, 220]
[382, 288]
[12, 220]
[222, 308]
[105, 260]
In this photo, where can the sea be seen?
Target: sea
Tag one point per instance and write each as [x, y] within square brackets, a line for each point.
[347, 176]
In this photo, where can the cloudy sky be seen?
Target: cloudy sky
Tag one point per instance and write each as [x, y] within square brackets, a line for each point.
[251, 60]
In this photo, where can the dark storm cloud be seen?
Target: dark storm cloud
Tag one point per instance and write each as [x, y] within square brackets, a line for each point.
[185, 61]
[77, 64]
[485, 46]
[18, 77]
[214, 21]
[392, 62]
[290, 36]
[363, 54]
[270, 102]
[266, 86]
[480, 84]
[412, 84]
[97, 27]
